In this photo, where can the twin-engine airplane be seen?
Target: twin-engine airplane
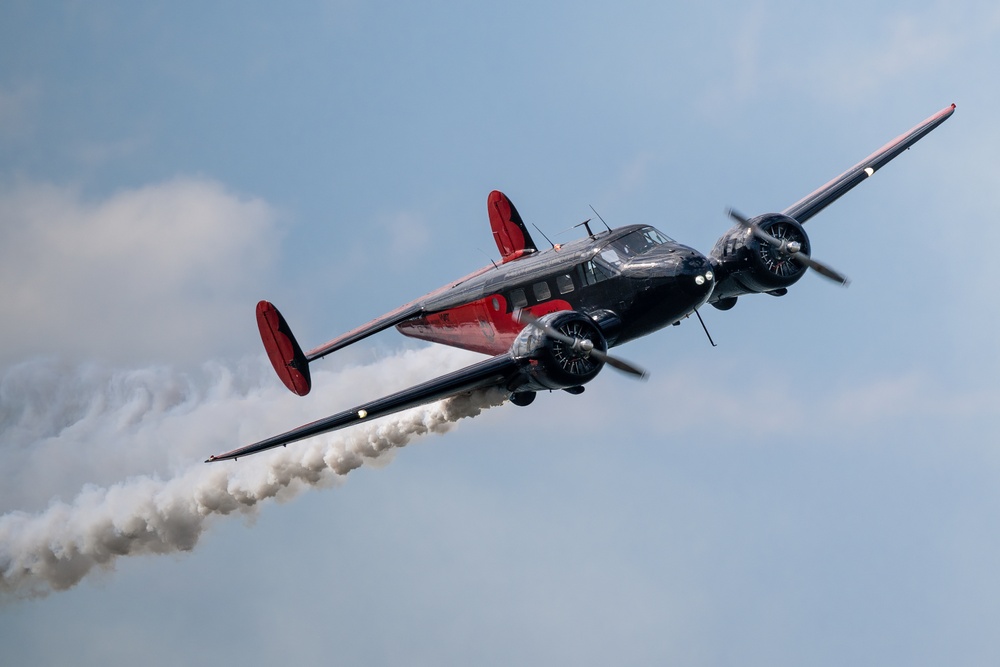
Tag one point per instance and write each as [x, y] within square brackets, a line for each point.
[548, 317]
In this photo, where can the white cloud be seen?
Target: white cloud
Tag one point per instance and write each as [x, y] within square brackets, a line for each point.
[157, 272]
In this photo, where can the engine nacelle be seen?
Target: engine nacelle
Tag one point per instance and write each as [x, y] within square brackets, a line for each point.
[745, 264]
[556, 364]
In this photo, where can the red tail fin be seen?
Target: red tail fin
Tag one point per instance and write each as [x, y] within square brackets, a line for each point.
[512, 237]
[282, 349]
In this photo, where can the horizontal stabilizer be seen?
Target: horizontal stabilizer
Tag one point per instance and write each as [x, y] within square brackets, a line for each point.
[365, 330]
[282, 349]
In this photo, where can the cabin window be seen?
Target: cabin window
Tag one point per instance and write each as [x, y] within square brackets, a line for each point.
[542, 292]
[594, 273]
[564, 284]
[517, 299]
[495, 303]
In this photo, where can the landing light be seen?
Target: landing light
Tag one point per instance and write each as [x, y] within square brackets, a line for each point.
[699, 280]
[709, 275]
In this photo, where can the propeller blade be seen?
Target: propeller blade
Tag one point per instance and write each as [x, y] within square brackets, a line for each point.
[822, 269]
[585, 345]
[738, 217]
[800, 257]
[620, 364]
[756, 231]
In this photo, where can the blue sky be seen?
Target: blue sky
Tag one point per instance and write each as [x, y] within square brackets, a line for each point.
[820, 488]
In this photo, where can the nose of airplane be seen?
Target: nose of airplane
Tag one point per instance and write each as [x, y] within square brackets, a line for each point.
[695, 273]
[675, 272]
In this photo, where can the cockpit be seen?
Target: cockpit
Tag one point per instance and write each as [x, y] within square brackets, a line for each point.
[632, 245]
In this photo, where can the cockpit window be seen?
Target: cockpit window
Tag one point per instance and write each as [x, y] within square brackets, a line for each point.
[594, 273]
[610, 256]
[638, 242]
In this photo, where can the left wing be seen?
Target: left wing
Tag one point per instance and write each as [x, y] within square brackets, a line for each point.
[816, 201]
[494, 372]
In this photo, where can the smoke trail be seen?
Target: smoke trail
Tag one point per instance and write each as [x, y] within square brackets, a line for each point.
[170, 417]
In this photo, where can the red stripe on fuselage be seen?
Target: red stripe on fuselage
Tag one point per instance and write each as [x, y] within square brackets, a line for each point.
[485, 325]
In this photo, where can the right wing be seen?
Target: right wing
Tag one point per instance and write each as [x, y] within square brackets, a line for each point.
[816, 201]
[497, 371]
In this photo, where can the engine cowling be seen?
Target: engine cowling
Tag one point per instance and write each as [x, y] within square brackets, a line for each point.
[556, 364]
[746, 264]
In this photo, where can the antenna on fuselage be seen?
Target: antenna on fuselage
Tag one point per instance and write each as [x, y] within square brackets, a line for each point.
[489, 258]
[586, 223]
[543, 235]
[598, 216]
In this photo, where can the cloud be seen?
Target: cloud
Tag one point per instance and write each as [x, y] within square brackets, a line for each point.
[160, 271]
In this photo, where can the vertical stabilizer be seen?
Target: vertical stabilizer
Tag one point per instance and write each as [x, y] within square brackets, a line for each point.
[282, 349]
[512, 237]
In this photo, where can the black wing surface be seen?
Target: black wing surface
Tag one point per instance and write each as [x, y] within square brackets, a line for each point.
[815, 202]
[493, 372]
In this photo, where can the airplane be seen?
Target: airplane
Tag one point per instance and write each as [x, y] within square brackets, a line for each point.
[548, 316]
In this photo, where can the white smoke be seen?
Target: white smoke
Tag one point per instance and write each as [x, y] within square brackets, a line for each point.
[142, 436]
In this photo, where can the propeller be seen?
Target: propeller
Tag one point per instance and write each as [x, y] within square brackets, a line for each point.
[792, 249]
[582, 346]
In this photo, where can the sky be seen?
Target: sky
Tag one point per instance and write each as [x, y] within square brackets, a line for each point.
[821, 488]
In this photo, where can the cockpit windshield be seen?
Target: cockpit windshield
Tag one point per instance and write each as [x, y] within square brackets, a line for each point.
[633, 244]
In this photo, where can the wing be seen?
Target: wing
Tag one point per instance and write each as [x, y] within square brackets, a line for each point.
[815, 202]
[494, 372]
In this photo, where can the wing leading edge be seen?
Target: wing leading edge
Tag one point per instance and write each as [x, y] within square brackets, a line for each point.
[494, 372]
[816, 201]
